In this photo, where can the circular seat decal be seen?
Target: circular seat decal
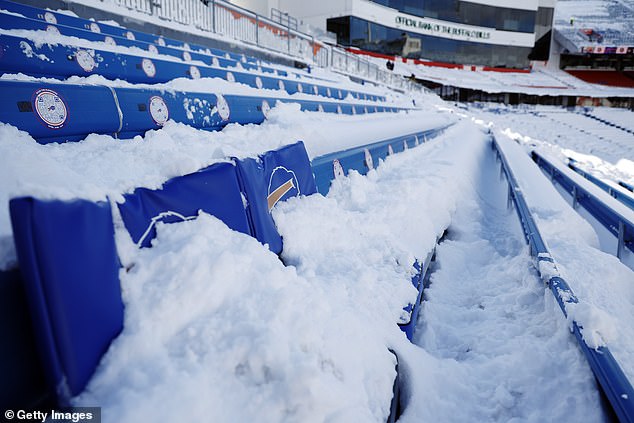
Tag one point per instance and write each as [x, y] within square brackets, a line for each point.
[194, 72]
[85, 60]
[158, 110]
[223, 108]
[266, 108]
[50, 18]
[148, 68]
[50, 108]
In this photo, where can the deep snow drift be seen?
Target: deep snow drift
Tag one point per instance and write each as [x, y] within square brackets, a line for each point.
[217, 328]
[490, 330]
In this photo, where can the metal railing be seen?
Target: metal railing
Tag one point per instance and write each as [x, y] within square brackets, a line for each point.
[284, 18]
[229, 20]
[614, 383]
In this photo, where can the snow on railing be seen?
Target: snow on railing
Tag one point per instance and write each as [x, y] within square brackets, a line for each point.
[613, 381]
[221, 17]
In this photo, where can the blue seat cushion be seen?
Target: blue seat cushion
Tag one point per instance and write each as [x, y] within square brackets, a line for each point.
[68, 260]
[214, 190]
[275, 176]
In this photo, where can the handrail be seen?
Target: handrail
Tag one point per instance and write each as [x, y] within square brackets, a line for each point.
[615, 222]
[222, 17]
[628, 200]
[606, 369]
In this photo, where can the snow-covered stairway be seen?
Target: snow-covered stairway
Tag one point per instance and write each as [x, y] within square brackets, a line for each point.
[610, 375]
[489, 328]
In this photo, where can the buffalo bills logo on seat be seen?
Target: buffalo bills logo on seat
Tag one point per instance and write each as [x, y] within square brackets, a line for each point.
[50, 108]
[283, 184]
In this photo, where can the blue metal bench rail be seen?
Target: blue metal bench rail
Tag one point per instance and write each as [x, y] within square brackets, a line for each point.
[617, 224]
[626, 199]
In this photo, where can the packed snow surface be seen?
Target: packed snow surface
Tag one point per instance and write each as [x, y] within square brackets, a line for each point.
[217, 328]
[489, 330]
[605, 151]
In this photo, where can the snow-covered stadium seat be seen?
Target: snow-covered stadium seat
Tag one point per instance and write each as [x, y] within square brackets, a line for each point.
[23, 55]
[363, 158]
[64, 20]
[92, 31]
[32, 58]
[70, 267]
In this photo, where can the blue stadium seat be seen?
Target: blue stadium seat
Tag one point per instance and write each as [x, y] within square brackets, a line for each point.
[40, 19]
[69, 112]
[70, 268]
[63, 61]
[214, 190]
[275, 176]
[58, 112]
[408, 323]
[23, 384]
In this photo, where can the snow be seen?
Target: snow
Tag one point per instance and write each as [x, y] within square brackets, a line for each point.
[102, 166]
[217, 328]
[541, 80]
[567, 134]
[601, 282]
[489, 331]
[235, 339]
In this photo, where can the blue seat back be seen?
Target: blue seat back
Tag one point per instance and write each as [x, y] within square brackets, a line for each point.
[214, 190]
[275, 176]
[70, 267]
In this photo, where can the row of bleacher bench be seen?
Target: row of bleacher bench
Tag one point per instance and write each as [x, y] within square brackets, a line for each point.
[607, 122]
[57, 112]
[151, 61]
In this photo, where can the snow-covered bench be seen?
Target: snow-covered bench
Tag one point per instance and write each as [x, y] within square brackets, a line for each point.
[72, 57]
[70, 267]
[68, 257]
[58, 112]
